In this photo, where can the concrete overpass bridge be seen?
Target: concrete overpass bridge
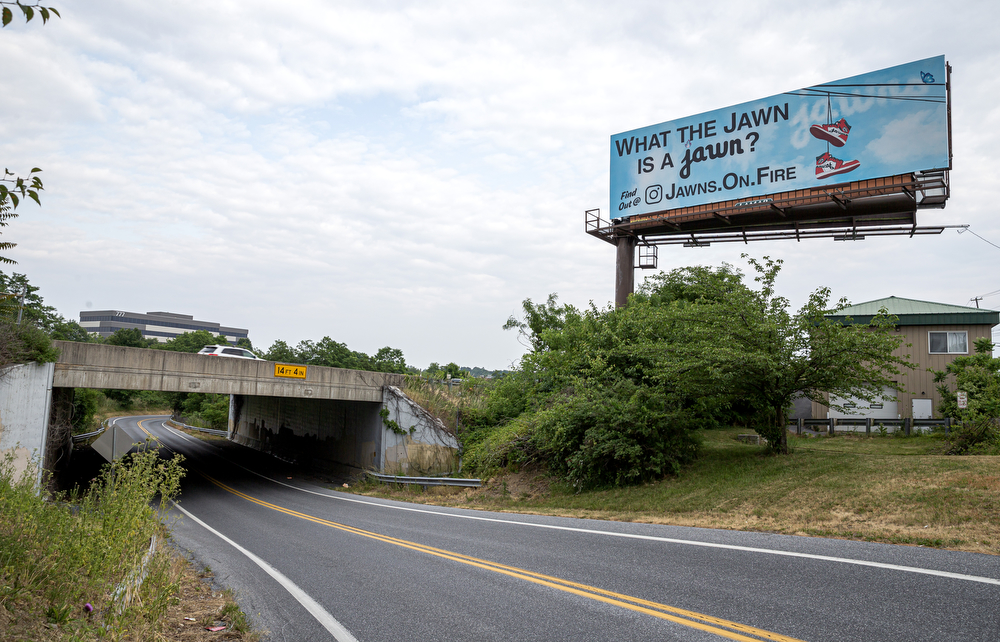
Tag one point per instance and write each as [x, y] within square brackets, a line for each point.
[313, 414]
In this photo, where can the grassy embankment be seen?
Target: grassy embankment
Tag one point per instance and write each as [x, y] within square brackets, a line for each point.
[97, 566]
[886, 489]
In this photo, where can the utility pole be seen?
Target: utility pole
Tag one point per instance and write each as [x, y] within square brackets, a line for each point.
[977, 299]
[20, 307]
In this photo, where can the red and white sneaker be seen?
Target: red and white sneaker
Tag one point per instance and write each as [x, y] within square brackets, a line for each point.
[827, 166]
[835, 134]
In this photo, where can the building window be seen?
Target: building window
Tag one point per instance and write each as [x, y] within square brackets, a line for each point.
[948, 342]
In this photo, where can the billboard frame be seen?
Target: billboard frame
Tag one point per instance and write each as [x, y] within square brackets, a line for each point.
[881, 206]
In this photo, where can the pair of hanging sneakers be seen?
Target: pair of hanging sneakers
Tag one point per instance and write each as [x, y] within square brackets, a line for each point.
[835, 134]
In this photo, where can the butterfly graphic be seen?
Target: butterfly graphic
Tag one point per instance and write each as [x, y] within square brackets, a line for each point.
[927, 78]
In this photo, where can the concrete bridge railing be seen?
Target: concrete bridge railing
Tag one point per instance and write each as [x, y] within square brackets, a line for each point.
[91, 365]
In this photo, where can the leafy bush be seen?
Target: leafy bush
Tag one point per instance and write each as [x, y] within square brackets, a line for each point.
[978, 375]
[24, 343]
[975, 434]
[610, 396]
[615, 435]
[198, 408]
[85, 404]
[510, 445]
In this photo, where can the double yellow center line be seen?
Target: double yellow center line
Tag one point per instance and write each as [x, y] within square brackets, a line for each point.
[692, 619]
[717, 626]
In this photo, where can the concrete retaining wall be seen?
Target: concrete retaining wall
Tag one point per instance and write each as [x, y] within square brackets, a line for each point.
[25, 401]
[427, 448]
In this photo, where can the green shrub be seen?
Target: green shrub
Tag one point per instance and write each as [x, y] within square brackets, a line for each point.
[614, 435]
[508, 445]
[24, 343]
[85, 404]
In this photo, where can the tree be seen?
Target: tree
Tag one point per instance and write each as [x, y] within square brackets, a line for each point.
[129, 338]
[6, 214]
[539, 319]
[746, 346]
[30, 185]
[24, 298]
[281, 351]
[191, 341]
[35, 312]
[612, 396]
[327, 352]
[389, 360]
[6, 16]
[26, 187]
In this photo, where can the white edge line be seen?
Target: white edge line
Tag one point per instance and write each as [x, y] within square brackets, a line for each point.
[177, 432]
[668, 540]
[335, 628]
[653, 538]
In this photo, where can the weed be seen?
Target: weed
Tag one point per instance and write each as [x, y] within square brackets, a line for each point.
[101, 539]
[237, 618]
[58, 614]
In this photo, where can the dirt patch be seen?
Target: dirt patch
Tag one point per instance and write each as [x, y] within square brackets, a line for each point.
[526, 484]
[202, 604]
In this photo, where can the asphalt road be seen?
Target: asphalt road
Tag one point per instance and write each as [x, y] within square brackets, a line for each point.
[309, 563]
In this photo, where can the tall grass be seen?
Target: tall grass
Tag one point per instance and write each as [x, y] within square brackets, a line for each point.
[448, 403]
[104, 548]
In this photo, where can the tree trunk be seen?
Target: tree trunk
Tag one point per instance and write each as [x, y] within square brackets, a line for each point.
[783, 440]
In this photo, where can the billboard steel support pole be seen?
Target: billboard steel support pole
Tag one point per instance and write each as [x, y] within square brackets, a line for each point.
[625, 270]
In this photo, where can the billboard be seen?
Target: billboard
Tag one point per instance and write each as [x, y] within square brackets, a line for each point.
[883, 123]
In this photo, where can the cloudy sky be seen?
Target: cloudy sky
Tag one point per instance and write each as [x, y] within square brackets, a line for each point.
[405, 174]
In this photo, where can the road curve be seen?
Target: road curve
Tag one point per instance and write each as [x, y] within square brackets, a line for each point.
[309, 563]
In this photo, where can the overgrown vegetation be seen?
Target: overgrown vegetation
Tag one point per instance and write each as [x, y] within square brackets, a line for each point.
[108, 542]
[608, 397]
[977, 430]
[24, 344]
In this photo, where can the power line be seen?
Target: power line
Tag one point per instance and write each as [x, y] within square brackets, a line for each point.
[967, 229]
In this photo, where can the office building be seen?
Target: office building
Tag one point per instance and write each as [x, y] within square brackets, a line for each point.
[161, 326]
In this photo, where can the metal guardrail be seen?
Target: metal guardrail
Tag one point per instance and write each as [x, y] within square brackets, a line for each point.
[208, 431]
[79, 439]
[427, 481]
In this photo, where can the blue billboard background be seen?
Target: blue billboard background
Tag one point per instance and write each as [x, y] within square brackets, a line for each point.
[883, 123]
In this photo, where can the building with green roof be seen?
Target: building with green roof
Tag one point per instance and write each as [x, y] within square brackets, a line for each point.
[934, 334]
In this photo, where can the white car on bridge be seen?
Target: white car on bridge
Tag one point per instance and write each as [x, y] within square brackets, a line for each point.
[228, 351]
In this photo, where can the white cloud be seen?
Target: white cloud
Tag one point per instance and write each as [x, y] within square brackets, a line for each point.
[406, 173]
[907, 138]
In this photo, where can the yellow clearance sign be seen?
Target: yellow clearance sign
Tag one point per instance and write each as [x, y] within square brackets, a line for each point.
[291, 372]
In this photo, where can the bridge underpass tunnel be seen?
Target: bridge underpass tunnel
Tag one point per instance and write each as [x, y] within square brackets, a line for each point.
[394, 436]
